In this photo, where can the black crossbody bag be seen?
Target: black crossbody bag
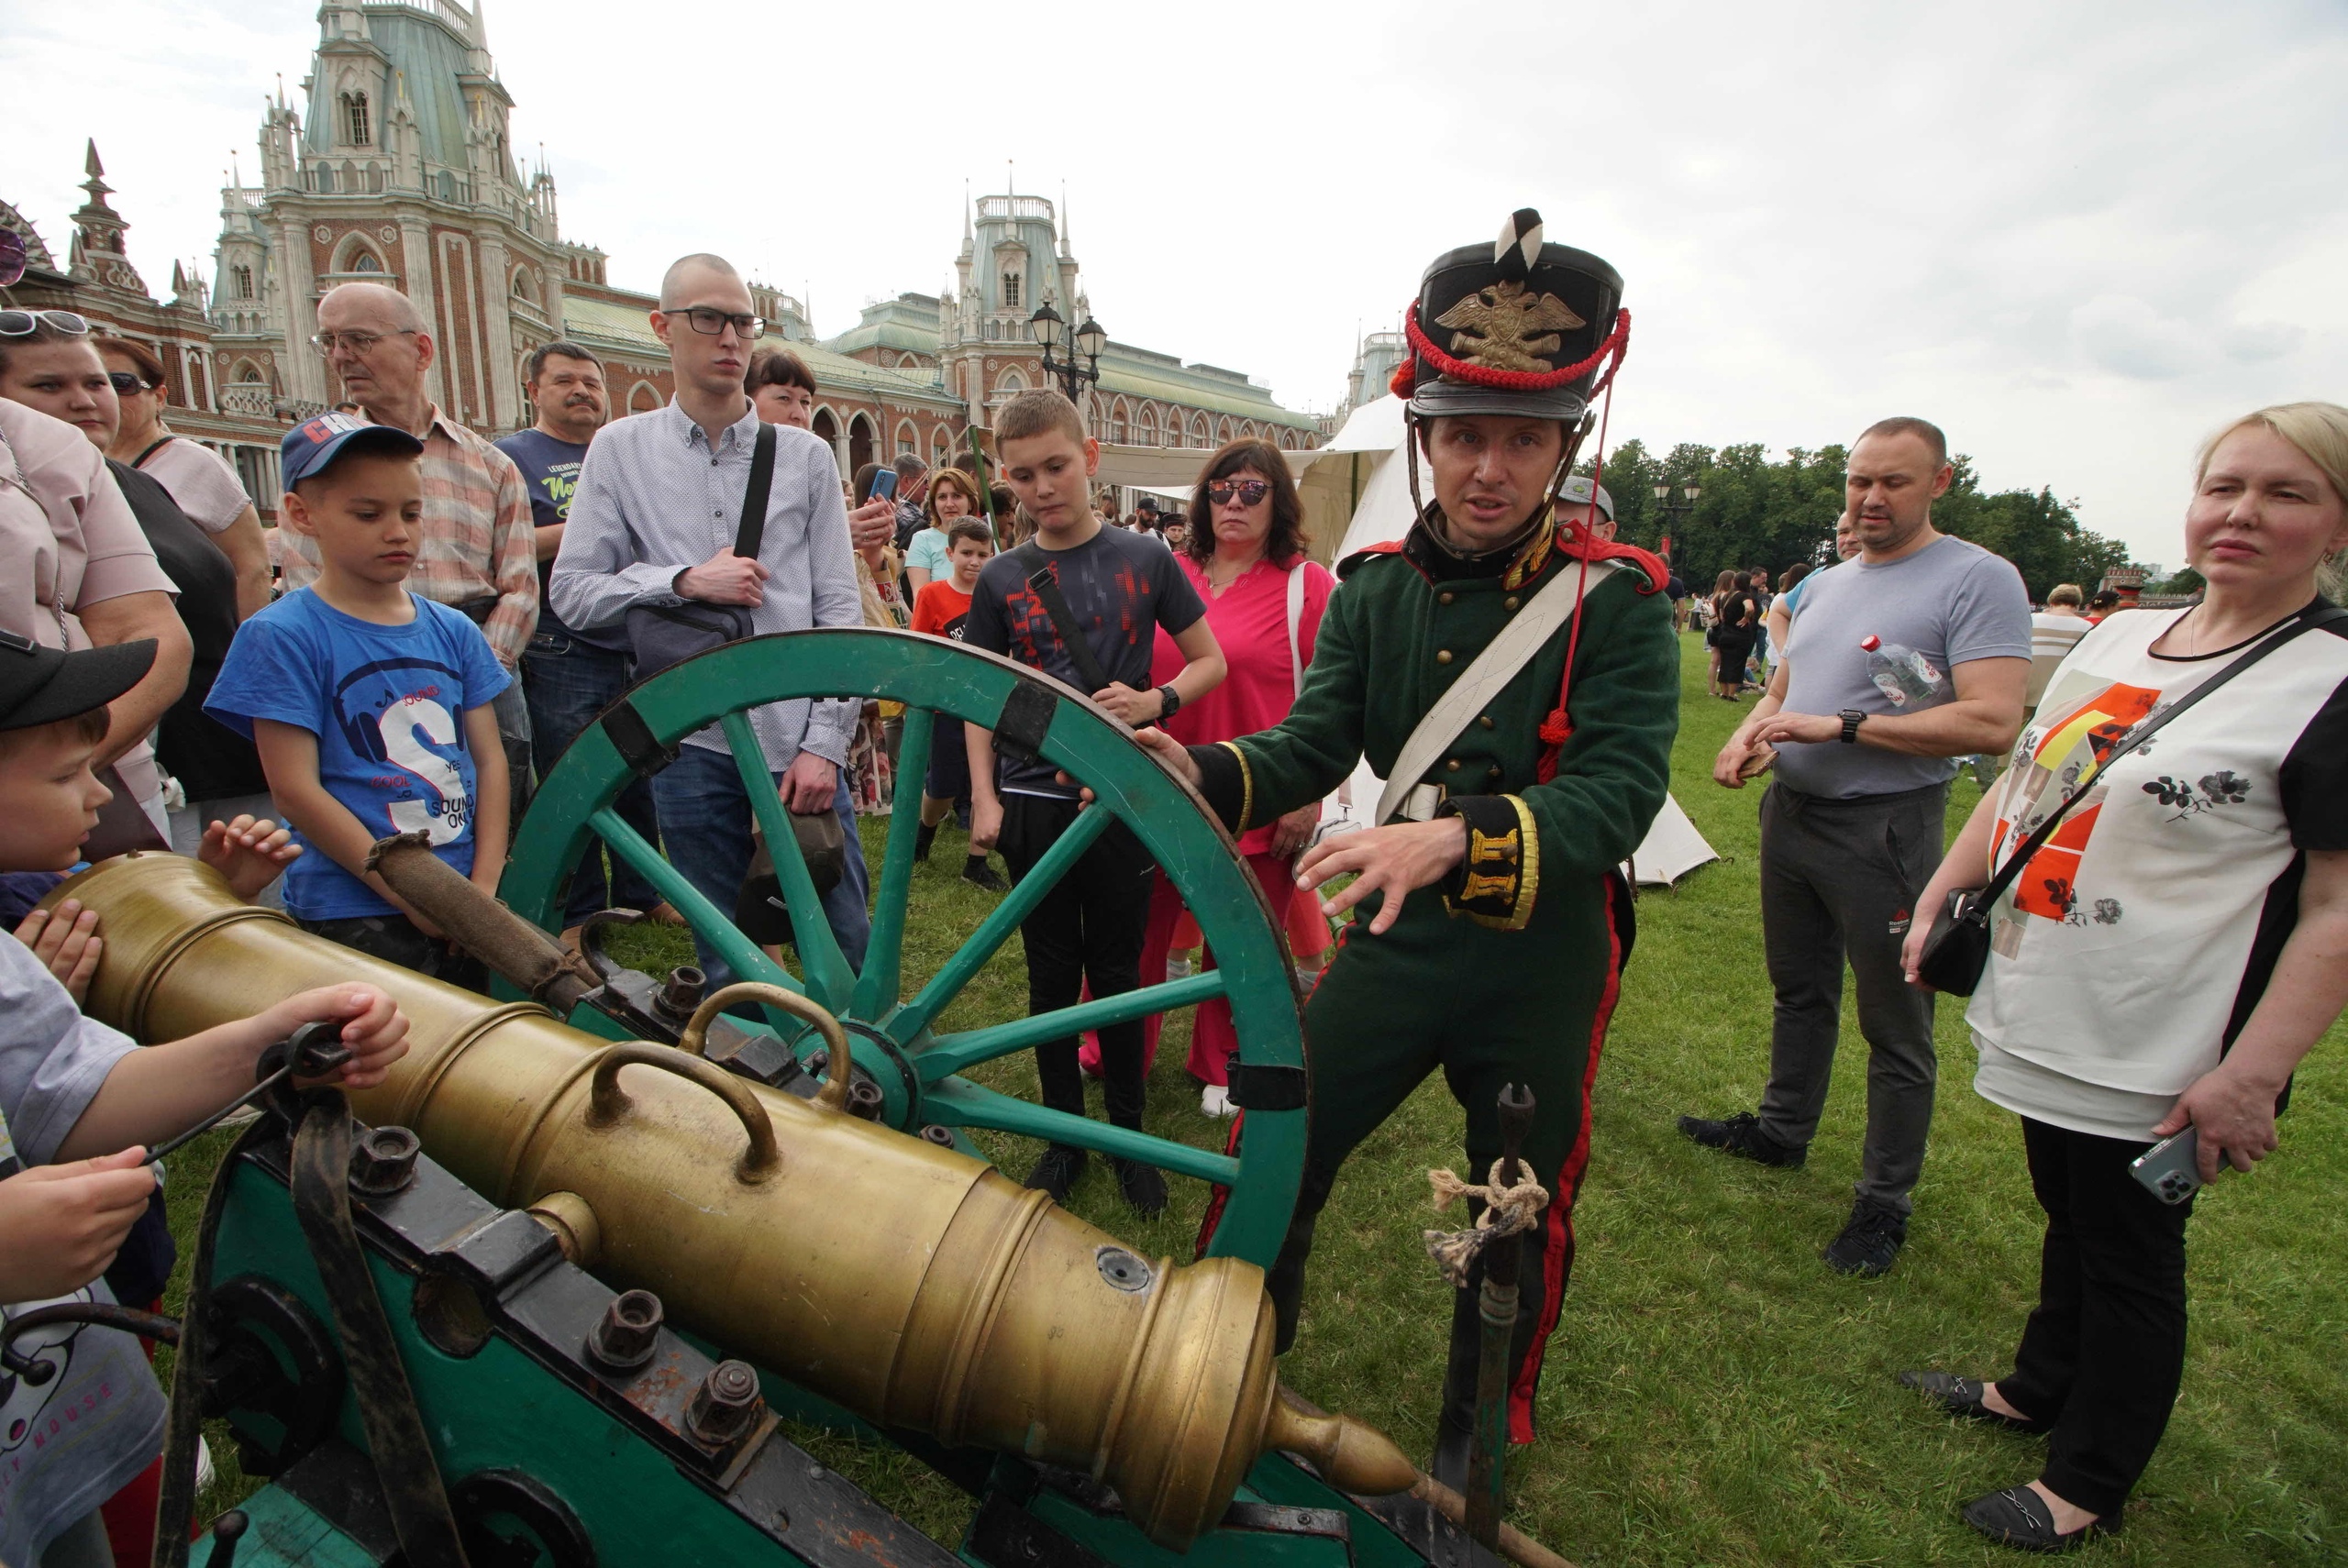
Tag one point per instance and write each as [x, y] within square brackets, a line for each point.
[661, 635]
[1958, 948]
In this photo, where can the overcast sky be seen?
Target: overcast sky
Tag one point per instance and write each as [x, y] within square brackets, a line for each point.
[2077, 236]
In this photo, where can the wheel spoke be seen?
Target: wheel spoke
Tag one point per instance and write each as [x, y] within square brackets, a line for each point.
[876, 988]
[957, 1102]
[746, 957]
[951, 1053]
[829, 979]
[908, 1022]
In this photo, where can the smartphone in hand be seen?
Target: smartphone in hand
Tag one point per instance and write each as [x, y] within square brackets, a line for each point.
[2170, 1170]
[884, 485]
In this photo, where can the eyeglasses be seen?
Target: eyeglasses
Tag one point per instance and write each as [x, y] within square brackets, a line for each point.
[127, 385]
[21, 323]
[709, 321]
[358, 343]
[1250, 492]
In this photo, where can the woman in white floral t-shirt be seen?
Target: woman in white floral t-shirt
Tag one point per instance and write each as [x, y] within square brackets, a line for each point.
[2168, 956]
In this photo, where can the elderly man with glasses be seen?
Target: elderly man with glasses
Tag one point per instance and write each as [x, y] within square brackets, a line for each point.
[479, 547]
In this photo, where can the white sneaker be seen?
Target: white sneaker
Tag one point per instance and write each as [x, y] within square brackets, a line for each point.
[1215, 1100]
[204, 1471]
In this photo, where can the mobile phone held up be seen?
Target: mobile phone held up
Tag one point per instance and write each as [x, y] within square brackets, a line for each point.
[2170, 1169]
[884, 485]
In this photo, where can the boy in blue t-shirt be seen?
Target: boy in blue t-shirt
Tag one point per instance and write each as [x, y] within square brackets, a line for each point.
[369, 705]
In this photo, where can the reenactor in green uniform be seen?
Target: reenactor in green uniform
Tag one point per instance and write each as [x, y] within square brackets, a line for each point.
[1517, 683]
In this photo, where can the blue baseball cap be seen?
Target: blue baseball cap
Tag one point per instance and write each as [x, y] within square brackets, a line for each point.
[311, 446]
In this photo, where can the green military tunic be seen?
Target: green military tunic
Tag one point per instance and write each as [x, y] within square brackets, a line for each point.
[1508, 973]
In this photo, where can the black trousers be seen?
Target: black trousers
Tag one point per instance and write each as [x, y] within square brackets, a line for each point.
[1087, 929]
[2104, 1350]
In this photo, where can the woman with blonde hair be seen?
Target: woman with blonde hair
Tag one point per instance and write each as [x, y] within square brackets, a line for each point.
[2166, 959]
[953, 494]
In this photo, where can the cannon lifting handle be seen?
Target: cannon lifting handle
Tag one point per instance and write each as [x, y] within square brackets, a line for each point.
[834, 1094]
[607, 1101]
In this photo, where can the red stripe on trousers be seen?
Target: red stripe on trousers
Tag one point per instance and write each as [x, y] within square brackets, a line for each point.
[1559, 1255]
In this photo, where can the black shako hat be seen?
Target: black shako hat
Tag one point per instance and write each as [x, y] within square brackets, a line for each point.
[1517, 327]
[41, 685]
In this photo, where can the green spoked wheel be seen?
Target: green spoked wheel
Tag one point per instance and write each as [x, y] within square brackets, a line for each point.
[890, 1015]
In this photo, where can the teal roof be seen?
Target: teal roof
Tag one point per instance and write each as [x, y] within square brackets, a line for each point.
[904, 336]
[1167, 383]
[610, 324]
[835, 370]
[426, 59]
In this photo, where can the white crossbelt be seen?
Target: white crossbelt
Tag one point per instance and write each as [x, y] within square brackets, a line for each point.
[1404, 795]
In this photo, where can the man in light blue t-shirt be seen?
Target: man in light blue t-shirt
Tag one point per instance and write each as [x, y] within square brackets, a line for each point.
[1864, 741]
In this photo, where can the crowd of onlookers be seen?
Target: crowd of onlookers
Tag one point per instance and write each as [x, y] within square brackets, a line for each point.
[449, 613]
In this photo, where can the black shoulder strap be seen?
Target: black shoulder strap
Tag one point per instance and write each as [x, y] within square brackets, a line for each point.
[753, 533]
[2330, 617]
[140, 460]
[1042, 578]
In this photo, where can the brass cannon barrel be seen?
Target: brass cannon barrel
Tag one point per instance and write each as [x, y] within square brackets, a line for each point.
[913, 1285]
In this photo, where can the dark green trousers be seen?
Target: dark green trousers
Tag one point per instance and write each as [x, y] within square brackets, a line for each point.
[1487, 1008]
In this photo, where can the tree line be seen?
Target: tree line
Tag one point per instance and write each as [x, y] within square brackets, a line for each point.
[1751, 512]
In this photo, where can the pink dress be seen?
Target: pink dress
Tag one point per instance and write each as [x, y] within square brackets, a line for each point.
[1250, 620]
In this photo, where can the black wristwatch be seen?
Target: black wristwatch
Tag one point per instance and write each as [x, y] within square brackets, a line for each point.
[1851, 718]
[1172, 698]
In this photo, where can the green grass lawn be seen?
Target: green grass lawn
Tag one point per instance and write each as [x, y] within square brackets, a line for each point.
[1715, 1395]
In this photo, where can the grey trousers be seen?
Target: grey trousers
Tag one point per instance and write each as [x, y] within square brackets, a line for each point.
[1839, 877]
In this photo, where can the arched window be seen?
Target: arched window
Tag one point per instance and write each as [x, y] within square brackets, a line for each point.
[1010, 290]
[363, 260]
[1010, 384]
[322, 176]
[355, 128]
[1222, 431]
[941, 448]
[908, 439]
[1118, 416]
[522, 289]
[1145, 426]
[1199, 433]
[246, 373]
[242, 277]
[446, 185]
[643, 398]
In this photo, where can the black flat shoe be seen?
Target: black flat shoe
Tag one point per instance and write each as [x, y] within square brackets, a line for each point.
[1962, 1397]
[2019, 1518]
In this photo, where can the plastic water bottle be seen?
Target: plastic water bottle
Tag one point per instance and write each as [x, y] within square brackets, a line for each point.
[1903, 674]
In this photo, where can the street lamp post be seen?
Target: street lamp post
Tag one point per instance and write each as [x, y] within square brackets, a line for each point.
[1673, 511]
[1051, 333]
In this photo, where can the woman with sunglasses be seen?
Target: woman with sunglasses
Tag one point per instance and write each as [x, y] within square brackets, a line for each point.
[199, 478]
[1244, 551]
[219, 774]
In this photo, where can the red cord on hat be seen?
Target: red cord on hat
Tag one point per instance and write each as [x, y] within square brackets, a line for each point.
[1423, 348]
[1558, 728]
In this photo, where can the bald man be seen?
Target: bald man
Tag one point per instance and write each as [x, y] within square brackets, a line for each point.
[653, 525]
[479, 547]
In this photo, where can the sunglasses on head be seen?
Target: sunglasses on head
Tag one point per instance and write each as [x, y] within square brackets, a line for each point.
[1250, 492]
[21, 323]
[12, 257]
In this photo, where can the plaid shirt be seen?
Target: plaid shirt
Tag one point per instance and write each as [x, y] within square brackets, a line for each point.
[479, 542]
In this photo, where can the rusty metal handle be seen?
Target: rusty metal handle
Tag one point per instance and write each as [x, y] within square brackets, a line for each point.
[834, 1094]
[606, 1101]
